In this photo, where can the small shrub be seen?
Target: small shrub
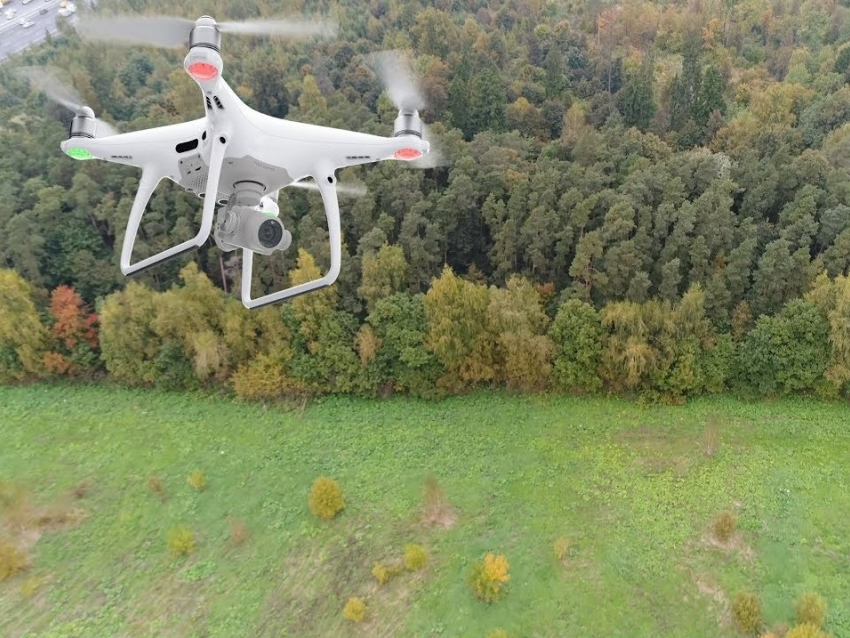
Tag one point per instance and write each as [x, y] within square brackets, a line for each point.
[487, 577]
[561, 547]
[381, 573]
[415, 557]
[181, 541]
[355, 610]
[746, 611]
[326, 498]
[498, 633]
[384, 573]
[155, 486]
[12, 559]
[197, 481]
[811, 609]
[724, 526]
[238, 531]
[806, 630]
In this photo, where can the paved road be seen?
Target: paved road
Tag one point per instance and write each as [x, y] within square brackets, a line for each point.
[14, 37]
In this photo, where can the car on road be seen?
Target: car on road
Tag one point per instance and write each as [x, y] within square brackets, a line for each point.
[26, 23]
[10, 14]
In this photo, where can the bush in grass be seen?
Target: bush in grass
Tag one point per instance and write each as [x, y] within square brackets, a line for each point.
[326, 498]
[384, 573]
[415, 557]
[488, 577]
[811, 609]
[806, 630]
[238, 531]
[155, 486]
[197, 481]
[181, 541]
[724, 526]
[498, 633]
[381, 573]
[561, 547]
[355, 610]
[12, 559]
[746, 611]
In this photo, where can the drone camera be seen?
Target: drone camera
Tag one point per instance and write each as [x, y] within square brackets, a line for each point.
[242, 227]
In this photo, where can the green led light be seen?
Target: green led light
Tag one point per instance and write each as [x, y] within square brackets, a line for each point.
[79, 154]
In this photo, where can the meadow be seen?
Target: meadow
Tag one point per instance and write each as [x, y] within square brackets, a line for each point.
[633, 489]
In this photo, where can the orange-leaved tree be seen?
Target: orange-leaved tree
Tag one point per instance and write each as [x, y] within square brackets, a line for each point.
[74, 336]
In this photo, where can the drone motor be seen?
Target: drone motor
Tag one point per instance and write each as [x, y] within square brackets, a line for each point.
[84, 123]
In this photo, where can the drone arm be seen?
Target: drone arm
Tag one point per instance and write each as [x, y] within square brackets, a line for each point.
[150, 178]
[327, 187]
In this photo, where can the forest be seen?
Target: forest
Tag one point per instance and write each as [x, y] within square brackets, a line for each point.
[647, 197]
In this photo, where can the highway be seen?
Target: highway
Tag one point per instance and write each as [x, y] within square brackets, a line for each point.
[14, 37]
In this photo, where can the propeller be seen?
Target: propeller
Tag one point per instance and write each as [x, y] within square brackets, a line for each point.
[163, 31]
[349, 190]
[395, 71]
[60, 93]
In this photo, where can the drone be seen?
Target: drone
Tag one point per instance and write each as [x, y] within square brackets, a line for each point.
[234, 158]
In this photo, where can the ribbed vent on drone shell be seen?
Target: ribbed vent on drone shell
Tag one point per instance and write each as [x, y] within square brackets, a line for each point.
[218, 102]
[209, 104]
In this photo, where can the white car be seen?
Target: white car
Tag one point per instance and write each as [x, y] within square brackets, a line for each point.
[25, 1]
[10, 14]
[26, 23]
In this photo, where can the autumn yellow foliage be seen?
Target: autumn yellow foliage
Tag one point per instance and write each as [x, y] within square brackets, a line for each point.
[488, 577]
[326, 499]
[355, 610]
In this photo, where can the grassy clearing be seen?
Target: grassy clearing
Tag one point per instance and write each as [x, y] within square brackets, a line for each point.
[632, 491]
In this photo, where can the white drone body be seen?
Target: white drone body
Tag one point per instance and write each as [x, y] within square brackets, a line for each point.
[238, 159]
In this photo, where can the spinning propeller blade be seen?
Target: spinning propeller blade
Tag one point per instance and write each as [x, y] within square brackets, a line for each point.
[350, 190]
[436, 157]
[60, 93]
[163, 31]
[156, 31]
[286, 28]
[394, 70]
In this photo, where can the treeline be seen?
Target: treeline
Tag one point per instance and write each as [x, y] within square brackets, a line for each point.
[629, 162]
[458, 336]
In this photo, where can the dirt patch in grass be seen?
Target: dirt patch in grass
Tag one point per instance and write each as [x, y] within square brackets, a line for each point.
[735, 545]
[172, 606]
[717, 599]
[437, 510]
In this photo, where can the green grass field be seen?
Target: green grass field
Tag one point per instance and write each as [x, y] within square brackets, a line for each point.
[632, 488]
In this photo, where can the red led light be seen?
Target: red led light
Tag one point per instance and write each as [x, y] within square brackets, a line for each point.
[202, 71]
[407, 154]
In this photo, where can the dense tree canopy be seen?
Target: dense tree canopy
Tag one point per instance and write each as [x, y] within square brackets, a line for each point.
[623, 154]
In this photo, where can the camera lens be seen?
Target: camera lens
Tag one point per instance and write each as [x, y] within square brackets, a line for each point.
[270, 233]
